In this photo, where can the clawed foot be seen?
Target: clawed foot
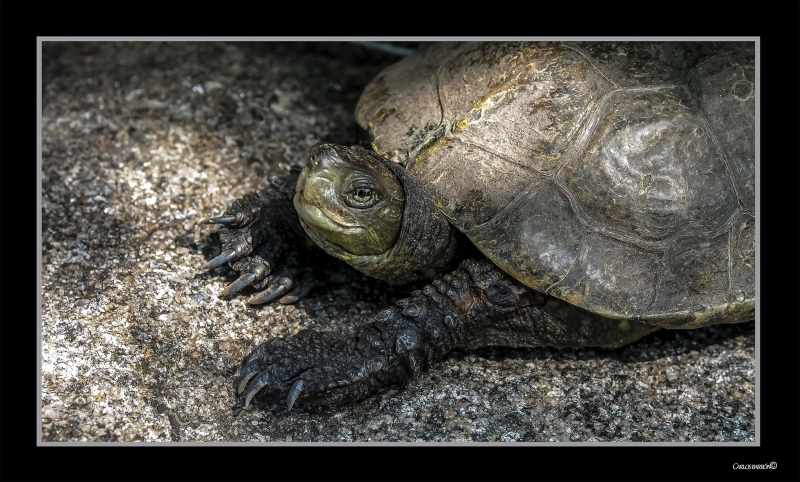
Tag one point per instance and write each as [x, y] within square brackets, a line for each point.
[318, 369]
[263, 241]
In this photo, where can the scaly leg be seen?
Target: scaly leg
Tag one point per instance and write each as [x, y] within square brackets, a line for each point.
[477, 304]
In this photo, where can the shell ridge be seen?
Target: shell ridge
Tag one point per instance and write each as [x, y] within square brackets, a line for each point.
[601, 108]
[510, 160]
[574, 262]
[662, 267]
[576, 147]
[713, 136]
[504, 157]
[437, 83]
[584, 134]
[442, 119]
[656, 286]
[589, 226]
[730, 266]
[604, 105]
[588, 58]
[638, 242]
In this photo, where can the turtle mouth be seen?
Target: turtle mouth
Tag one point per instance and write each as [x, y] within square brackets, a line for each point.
[319, 220]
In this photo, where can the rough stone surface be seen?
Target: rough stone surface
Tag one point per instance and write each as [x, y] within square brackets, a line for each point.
[142, 141]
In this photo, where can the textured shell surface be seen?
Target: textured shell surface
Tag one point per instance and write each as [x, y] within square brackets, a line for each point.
[619, 177]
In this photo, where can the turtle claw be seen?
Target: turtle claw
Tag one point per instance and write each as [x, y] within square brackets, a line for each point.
[248, 372]
[294, 392]
[243, 281]
[226, 220]
[258, 383]
[272, 292]
[220, 260]
[301, 291]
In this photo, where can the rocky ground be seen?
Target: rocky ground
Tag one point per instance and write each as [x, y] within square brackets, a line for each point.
[142, 141]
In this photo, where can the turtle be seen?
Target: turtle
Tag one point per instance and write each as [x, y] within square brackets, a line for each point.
[551, 194]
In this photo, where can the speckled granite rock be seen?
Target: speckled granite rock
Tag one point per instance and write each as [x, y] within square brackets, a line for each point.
[142, 141]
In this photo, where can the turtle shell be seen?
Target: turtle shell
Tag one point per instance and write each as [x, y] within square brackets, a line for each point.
[619, 177]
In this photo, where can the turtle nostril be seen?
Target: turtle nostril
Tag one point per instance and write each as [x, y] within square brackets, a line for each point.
[324, 157]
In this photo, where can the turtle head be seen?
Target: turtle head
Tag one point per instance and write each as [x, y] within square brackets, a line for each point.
[373, 214]
[349, 198]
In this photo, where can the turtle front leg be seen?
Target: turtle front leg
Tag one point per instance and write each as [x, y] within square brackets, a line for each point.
[263, 240]
[476, 305]
[315, 368]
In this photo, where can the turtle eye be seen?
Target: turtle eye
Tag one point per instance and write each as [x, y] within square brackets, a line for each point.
[361, 197]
